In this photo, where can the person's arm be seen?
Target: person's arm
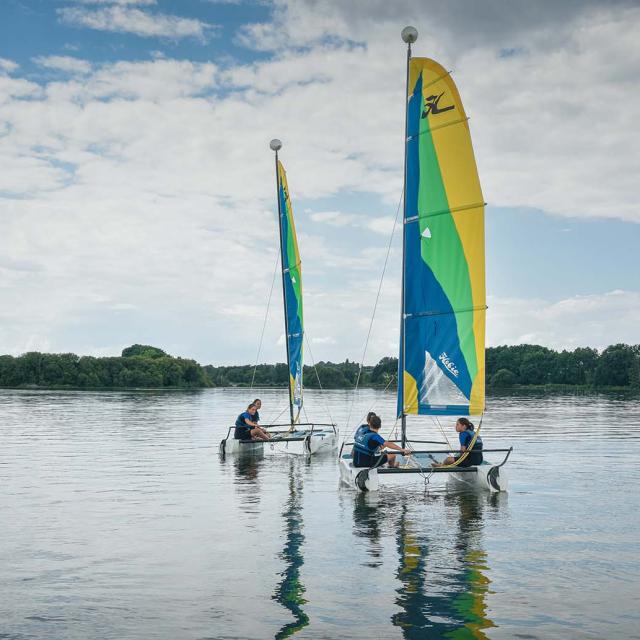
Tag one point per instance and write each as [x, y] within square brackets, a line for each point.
[393, 445]
[250, 423]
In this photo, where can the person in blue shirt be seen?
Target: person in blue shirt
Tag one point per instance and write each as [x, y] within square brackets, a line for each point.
[466, 431]
[247, 427]
[366, 446]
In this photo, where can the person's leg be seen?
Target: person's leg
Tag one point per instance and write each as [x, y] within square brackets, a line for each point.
[449, 460]
[391, 459]
[257, 434]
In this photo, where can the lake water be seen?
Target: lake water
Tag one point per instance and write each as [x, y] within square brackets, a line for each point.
[119, 520]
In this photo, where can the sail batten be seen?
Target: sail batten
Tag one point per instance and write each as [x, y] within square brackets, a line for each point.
[292, 291]
[442, 352]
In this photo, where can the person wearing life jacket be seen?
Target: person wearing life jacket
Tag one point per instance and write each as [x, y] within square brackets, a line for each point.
[466, 433]
[367, 443]
[247, 427]
[364, 427]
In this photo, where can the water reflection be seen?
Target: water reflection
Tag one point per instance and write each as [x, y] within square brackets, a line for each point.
[441, 571]
[246, 472]
[290, 591]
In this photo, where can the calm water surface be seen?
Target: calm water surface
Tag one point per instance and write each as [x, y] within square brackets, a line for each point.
[119, 520]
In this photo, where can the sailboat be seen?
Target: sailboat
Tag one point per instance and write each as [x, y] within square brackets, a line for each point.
[294, 436]
[442, 321]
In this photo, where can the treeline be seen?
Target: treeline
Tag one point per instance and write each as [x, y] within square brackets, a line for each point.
[506, 366]
[140, 366]
[143, 366]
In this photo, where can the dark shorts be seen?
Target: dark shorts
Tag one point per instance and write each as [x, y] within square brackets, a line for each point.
[242, 433]
[363, 460]
[472, 460]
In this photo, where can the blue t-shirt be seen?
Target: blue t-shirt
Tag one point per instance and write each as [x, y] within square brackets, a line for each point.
[246, 416]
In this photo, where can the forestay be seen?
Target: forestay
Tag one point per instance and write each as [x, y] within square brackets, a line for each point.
[443, 317]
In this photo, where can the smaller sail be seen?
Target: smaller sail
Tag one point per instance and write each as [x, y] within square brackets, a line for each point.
[292, 276]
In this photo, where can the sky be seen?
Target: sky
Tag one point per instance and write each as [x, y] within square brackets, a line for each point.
[137, 187]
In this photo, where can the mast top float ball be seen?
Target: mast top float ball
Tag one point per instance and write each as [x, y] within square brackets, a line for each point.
[409, 34]
[275, 144]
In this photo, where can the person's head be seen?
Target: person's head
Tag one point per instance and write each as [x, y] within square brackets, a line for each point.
[257, 402]
[252, 409]
[464, 425]
[375, 423]
[369, 416]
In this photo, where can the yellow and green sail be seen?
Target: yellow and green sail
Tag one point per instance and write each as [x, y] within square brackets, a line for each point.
[292, 279]
[442, 347]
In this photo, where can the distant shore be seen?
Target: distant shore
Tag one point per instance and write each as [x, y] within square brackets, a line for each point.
[519, 368]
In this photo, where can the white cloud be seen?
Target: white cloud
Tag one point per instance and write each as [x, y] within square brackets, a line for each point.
[378, 224]
[589, 320]
[120, 2]
[124, 19]
[8, 66]
[64, 63]
[543, 136]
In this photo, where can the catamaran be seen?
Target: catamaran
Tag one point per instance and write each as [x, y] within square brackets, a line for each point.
[442, 322]
[294, 436]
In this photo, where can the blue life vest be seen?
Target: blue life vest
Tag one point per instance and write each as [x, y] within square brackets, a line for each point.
[465, 440]
[363, 440]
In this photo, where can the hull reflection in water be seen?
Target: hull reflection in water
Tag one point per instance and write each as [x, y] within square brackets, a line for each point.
[290, 591]
[442, 573]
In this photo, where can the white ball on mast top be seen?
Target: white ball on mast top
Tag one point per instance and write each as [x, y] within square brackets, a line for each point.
[275, 144]
[409, 35]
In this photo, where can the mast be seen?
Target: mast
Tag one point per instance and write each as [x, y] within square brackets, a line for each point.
[276, 145]
[409, 35]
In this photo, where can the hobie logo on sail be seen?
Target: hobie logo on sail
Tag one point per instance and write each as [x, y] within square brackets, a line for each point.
[449, 364]
[432, 106]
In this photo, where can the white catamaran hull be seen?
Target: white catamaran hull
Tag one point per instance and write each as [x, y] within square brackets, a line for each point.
[296, 443]
[486, 476]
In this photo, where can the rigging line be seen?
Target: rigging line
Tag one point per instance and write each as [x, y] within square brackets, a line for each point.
[275, 420]
[264, 324]
[315, 369]
[375, 307]
[442, 431]
[377, 398]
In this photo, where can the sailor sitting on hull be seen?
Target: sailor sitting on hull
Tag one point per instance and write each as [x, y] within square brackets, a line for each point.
[247, 427]
[466, 433]
[367, 442]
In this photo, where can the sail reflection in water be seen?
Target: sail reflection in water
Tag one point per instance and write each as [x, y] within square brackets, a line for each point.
[442, 576]
[290, 591]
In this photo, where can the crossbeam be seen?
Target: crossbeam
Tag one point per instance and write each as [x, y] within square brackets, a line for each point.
[426, 470]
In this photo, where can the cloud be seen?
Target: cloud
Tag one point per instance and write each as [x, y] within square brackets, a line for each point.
[124, 19]
[118, 2]
[378, 224]
[587, 320]
[8, 66]
[64, 63]
[530, 113]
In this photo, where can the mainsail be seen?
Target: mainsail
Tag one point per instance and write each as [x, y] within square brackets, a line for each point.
[292, 288]
[441, 362]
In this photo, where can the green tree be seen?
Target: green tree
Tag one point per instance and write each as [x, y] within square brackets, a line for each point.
[144, 350]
